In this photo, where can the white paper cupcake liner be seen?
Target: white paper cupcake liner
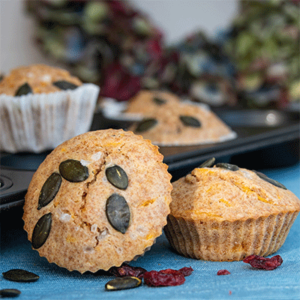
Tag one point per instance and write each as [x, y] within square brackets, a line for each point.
[40, 122]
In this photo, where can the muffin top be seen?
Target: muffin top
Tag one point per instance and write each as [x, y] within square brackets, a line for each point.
[39, 78]
[222, 194]
[149, 101]
[106, 196]
[183, 124]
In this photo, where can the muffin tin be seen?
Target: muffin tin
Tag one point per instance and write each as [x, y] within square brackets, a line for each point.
[266, 138]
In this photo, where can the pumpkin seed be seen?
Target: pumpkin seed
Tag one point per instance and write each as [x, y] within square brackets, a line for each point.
[1, 77]
[270, 180]
[65, 85]
[41, 231]
[49, 190]
[190, 121]
[9, 293]
[208, 163]
[123, 283]
[227, 166]
[118, 212]
[73, 171]
[159, 101]
[24, 89]
[20, 275]
[146, 124]
[117, 177]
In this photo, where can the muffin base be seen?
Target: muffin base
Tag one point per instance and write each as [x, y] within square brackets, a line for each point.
[229, 241]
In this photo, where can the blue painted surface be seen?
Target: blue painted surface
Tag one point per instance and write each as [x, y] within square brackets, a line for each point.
[243, 283]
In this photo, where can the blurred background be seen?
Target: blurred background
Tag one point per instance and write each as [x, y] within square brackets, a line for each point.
[176, 18]
[232, 53]
[239, 58]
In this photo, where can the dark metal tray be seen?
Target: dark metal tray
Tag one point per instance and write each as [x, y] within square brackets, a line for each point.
[266, 138]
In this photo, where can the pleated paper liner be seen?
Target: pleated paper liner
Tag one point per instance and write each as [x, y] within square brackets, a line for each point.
[229, 241]
[39, 122]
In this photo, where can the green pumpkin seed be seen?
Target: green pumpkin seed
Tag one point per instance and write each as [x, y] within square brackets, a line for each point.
[49, 190]
[208, 163]
[65, 85]
[1, 77]
[118, 212]
[190, 121]
[20, 275]
[227, 166]
[73, 171]
[270, 180]
[123, 283]
[117, 177]
[159, 101]
[41, 231]
[146, 124]
[24, 90]
[9, 293]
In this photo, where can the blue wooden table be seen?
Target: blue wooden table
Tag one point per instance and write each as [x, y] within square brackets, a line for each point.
[243, 283]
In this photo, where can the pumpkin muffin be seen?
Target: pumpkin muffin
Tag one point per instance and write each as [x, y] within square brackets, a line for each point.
[149, 101]
[183, 124]
[42, 106]
[98, 200]
[226, 213]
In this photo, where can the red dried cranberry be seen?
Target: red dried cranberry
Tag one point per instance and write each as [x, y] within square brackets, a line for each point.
[186, 271]
[126, 270]
[154, 278]
[170, 271]
[260, 262]
[223, 272]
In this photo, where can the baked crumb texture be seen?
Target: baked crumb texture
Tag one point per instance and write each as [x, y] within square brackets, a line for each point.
[223, 215]
[81, 237]
[170, 130]
[144, 102]
[39, 77]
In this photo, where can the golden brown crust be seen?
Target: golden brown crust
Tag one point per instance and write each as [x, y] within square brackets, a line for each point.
[210, 193]
[81, 238]
[144, 103]
[170, 130]
[218, 214]
[39, 77]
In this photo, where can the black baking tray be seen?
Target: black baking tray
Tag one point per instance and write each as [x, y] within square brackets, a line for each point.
[266, 138]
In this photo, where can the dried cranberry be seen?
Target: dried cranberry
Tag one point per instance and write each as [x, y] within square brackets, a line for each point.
[170, 271]
[260, 262]
[126, 270]
[154, 278]
[223, 272]
[186, 271]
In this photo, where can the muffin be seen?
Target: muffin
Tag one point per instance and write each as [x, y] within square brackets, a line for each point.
[98, 200]
[149, 101]
[183, 124]
[42, 106]
[226, 213]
